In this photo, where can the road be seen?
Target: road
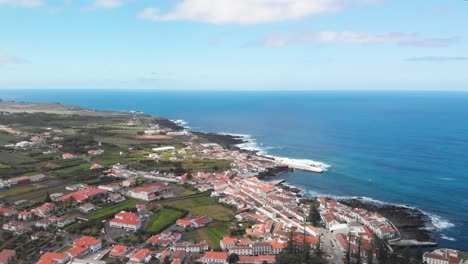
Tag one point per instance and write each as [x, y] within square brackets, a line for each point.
[333, 254]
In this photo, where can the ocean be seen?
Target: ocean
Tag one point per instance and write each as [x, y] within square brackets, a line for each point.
[408, 148]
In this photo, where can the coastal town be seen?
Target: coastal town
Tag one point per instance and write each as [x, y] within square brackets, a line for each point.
[89, 187]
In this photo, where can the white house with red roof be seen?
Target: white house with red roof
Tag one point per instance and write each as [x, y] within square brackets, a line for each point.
[147, 193]
[7, 212]
[201, 221]
[215, 257]
[118, 251]
[142, 256]
[54, 258]
[25, 215]
[88, 242]
[127, 221]
[443, 256]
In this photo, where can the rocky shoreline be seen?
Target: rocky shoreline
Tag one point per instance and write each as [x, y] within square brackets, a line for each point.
[411, 222]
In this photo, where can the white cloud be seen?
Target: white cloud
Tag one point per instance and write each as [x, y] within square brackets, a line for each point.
[397, 38]
[6, 59]
[107, 4]
[242, 11]
[22, 3]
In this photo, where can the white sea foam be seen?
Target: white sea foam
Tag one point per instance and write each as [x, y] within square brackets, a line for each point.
[251, 144]
[438, 222]
[447, 237]
[447, 179]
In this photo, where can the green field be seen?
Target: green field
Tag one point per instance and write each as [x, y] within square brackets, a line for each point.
[4, 166]
[204, 205]
[162, 219]
[18, 190]
[211, 233]
[112, 210]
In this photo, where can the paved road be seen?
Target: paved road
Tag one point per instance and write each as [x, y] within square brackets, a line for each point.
[330, 248]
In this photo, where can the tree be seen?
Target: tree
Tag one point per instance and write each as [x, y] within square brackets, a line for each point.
[358, 257]
[318, 249]
[314, 215]
[48, 199]
[370, 252]
[233, 258]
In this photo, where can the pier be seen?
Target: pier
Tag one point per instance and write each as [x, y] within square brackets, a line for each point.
[412, 243]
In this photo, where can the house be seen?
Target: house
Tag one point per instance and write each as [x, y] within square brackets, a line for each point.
[88, 242]
[215, 257]
[241, 251]
[127, 221]
[95, 152]
[164, 239]
[147, 193]
[109, 188]
[7, 212]
[190, 247]
[443, 256]
[140, 207]
[76, 251]
[118, 251]
[227, 242]
[82, 195]
[96, 166]
[62, 222]
[7, 256]
[53, 258]
[17, 227]
[201, 221]
[116, 198]
[142, 256]
[261, 248]
[68, 156]
[87, 207]
[44, 223]
[44, 210]
[183, 223]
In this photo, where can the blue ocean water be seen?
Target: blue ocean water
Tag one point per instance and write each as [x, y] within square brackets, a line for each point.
[406, 148]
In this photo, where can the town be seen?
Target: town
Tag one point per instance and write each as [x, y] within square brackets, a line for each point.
[91, 187]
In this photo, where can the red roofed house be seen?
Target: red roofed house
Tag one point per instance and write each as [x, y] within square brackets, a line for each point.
[201, 221]
[44, 209]
[127, 221]
[215, 257]
[7, 212]
[443, 256]
[77, 251]
[88, 242]
[54, 258]
[183, 223]
[142, 256]
[7, 256]
[81, 195]
[118, 251]
[25, 215]
[147, 193]
[227, 242]
[68, 156]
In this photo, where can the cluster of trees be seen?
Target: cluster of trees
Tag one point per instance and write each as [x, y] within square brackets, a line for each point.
[300, 252]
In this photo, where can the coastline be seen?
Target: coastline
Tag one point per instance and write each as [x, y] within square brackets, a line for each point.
[413, 223]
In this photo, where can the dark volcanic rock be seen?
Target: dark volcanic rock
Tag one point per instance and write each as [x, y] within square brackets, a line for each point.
[410, 222]
[227, 141]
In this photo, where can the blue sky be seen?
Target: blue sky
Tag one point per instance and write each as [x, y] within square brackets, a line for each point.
[234, 44]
